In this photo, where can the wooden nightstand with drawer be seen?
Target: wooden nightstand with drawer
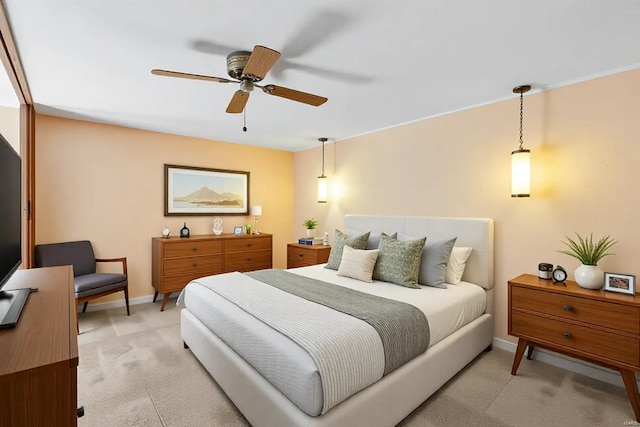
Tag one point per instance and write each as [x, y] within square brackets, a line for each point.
[304, 255]
[597, 326]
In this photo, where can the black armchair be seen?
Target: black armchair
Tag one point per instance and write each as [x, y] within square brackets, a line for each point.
[88, 284]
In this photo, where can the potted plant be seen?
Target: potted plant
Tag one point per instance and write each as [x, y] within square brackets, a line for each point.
[588, 274]
[310, 224]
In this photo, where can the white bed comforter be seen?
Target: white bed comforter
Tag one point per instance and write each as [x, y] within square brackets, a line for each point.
[336, 341]
[285, 363]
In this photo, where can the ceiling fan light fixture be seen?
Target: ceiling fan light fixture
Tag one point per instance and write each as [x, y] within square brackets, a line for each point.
[246, 86]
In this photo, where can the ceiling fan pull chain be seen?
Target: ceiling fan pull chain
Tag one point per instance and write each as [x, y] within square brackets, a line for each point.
[244, 128]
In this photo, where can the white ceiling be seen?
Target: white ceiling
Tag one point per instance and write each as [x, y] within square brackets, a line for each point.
[380, 63]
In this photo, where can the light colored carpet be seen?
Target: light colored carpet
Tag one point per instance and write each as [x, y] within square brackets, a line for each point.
[134, 371]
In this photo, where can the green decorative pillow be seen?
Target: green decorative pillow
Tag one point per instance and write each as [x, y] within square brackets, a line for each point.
[339, 241]
[399, 262]
[433, 263]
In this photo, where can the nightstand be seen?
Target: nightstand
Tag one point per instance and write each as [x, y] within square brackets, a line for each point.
[597, 326]
[304, 255]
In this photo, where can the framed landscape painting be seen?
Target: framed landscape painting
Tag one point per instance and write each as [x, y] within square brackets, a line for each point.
[202, 191]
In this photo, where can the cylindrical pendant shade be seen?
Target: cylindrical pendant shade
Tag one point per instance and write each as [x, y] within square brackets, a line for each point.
[520, 173]
[322, 189]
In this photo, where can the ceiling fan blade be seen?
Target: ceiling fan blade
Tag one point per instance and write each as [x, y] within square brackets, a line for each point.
[295, 95]
[260, 62]
[238, 102]
[190, 76]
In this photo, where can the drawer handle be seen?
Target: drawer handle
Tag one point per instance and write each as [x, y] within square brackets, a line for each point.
[195, 248]
[249, 244]
[249, 258]
[300, 254]
[567, 334]
[567, 307]
[194, 264]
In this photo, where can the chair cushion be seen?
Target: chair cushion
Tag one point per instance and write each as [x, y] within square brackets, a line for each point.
[78, 254]
[91, 284]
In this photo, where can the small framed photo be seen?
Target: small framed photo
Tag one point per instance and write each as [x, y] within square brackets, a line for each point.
[237, 231]
[623, 283]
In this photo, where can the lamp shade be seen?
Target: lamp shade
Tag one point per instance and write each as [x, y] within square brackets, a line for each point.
[256, 210]
[520, 173]
[322, 189]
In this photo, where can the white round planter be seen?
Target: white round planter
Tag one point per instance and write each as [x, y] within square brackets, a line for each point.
[311, 233]
[589, 276]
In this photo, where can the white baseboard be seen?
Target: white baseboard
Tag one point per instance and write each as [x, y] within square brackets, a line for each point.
[569, 363]
[120, 302]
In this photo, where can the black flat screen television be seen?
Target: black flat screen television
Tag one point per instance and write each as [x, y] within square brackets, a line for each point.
[12, 301]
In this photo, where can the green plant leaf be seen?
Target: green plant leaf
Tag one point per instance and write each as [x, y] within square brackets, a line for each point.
[585, 250]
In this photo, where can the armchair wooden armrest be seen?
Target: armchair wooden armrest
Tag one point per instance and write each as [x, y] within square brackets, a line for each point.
[122, 260]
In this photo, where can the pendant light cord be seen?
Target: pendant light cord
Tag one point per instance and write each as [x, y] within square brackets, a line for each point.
[323, 158]
[521, 105]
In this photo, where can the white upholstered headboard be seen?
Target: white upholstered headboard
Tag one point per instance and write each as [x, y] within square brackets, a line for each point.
[474, 232]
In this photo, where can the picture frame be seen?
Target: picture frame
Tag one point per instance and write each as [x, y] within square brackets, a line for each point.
[622, 283]
[192, 190]
[237, 231]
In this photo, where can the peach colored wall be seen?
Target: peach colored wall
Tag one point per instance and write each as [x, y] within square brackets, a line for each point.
[585, 151]
[106, 184]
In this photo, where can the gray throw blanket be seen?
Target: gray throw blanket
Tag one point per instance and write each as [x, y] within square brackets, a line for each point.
[403, 328]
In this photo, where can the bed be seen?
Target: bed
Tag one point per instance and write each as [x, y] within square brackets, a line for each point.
[280, 387]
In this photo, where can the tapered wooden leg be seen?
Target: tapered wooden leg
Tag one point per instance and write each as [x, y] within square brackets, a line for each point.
[629, 378]
[164, 300]
[155, 295]
[84, 307]
[530, 351]
[522, 345]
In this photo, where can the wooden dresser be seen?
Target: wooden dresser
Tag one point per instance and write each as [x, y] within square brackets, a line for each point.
[176, 261]
[597, 326]
[38, 373]
[304, 255]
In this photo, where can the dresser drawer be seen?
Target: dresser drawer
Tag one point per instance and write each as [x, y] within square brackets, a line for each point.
[593, 341]
[601, 313]
[247, 261]
[207, 263]
[194, 247]
[303, 255]
[247, 244]
[177, 283]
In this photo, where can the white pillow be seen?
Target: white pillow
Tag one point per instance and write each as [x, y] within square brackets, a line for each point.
[455, 266]
[358, 263]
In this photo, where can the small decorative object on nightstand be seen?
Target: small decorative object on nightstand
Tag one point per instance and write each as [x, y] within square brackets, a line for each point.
[588, 275]
[599, 327]
[305, 255]
[237, 231]
[310, 224]
[166, 232]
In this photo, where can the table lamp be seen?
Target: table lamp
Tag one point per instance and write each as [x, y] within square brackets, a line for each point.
[256, 211]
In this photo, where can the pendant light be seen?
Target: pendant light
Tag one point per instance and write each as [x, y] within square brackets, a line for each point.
[322, 179]
[521, 159]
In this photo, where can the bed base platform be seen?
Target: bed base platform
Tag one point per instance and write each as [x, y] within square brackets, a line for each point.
[384, 403]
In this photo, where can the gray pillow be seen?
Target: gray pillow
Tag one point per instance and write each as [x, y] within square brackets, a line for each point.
[374, 238]
[341, 239]
[399, 262]
[433, 263]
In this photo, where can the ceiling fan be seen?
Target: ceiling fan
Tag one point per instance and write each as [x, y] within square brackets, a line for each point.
[249, 68]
